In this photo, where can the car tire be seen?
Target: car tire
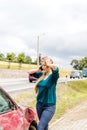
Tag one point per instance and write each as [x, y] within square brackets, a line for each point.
[32, 127]
[30, 81]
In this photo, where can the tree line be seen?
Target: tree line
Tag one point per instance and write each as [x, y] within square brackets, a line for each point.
[20, 58]
[79, 64]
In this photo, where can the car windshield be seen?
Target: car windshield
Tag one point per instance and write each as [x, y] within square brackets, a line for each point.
[5, 104]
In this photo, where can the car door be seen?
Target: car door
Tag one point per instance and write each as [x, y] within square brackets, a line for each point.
[11, 117]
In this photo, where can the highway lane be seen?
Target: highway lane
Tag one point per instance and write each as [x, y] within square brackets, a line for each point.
[11, 85]
[19, 84]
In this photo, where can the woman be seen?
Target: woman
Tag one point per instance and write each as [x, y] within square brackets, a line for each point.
[46, 93]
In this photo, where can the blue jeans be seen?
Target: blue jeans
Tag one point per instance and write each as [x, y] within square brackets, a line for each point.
[45, 114]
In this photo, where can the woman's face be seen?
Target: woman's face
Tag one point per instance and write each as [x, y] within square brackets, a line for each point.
[44, 64]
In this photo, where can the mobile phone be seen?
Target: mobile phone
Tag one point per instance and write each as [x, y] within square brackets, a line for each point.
[41, 68]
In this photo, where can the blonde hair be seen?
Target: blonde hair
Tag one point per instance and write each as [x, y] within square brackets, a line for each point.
[46, 57]
[36, 86]
[42, 77]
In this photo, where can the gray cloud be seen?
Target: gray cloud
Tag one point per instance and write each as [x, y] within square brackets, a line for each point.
[63, 22]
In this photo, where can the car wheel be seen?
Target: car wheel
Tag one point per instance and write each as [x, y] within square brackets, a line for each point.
[30, 80]
[32, 127]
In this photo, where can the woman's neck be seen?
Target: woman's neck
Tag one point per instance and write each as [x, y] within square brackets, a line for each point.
[46, 74]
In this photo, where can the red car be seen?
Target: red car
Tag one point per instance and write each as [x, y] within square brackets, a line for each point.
[32, 77]
[14, 117]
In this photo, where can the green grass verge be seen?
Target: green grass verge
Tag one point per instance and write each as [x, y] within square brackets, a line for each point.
[68, 95]
[4, 65]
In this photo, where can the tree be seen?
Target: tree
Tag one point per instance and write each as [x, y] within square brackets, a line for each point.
[28, 59]
[21, 59]
[75, 64]
[10, 57]
[83, 63]
[2, 57]
[79, 64]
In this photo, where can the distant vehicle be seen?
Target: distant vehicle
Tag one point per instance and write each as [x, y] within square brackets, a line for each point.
[15, 117]
[75, 74]
[32, 77]
[84, 72]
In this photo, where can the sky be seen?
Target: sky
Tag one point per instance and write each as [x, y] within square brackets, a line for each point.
[60, 24]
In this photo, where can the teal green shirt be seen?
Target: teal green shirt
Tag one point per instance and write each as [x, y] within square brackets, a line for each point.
[47, 89]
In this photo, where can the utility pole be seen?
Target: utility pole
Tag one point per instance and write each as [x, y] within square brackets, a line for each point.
[38, 42]
[38, 51]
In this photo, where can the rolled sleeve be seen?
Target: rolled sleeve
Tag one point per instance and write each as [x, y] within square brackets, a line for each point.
[55, 73]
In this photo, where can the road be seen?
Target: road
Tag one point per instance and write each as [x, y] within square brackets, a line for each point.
[11, 85]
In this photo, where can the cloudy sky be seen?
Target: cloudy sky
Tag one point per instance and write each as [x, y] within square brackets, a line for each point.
[63, 23]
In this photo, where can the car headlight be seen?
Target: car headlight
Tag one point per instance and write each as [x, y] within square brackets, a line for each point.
[29, 114]
[1, 128]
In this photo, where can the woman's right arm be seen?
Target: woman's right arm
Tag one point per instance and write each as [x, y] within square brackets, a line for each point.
[33, 71]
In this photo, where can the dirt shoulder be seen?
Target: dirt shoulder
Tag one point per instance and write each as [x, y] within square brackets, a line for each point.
[7, 73]
[74, 119]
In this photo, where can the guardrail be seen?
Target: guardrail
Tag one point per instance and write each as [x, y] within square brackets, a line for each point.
[64, 80]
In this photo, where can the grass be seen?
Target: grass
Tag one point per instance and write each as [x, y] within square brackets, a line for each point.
[68, 95]
[64, 72]
[4, 65]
